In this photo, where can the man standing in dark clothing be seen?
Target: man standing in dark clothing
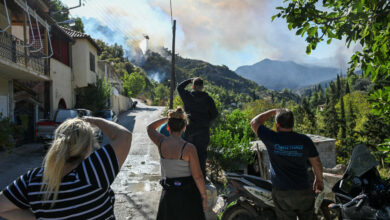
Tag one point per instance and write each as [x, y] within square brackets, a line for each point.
[201, 110]
[289, 153]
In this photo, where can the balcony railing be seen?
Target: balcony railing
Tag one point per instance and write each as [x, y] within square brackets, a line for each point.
[11, 49]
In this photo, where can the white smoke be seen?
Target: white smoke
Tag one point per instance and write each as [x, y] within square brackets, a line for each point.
[144, 46]
[156, 76]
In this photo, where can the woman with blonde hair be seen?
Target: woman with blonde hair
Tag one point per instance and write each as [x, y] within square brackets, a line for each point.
[184, 190]
[74, 180]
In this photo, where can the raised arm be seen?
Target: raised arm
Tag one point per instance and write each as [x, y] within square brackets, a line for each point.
[153, 134]
[190, 153]
[213, 112]
[120, 137]
[181, 88]
[260, 119]
[318, 184]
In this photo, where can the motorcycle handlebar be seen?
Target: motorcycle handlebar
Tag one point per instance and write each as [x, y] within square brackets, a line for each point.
[358, 199]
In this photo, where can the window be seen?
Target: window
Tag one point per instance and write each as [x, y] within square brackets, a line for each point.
[60, 49]
[91, 62]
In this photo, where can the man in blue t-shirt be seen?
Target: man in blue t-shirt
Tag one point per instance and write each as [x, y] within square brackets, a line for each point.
[289, 154]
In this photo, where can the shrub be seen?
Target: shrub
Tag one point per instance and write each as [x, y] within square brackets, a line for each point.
[230, 141]
[6, 131]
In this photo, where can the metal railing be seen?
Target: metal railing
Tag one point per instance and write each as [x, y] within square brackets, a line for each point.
[11, 49]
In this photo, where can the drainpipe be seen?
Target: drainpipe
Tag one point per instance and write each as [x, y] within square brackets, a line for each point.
[36, 117]
[11, 99]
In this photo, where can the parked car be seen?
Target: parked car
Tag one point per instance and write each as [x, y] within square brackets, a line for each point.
[97, 132]
[84, 112]
[107, 114]
[45, 128]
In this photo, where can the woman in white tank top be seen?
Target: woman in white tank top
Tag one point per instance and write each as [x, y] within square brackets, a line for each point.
[184, 191]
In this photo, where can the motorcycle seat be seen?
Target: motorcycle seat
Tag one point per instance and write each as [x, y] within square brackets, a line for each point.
[260, 182]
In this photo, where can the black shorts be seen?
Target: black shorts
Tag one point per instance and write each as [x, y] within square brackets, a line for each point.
[180, 199]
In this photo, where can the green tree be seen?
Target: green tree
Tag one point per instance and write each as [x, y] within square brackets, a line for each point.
[347, 89]
[161, 93]
[230, 141]
[351, 123]
[94, 97]
[338, 87]
[59, 13]
[365, 22]
[133, 83]
[342, 121]
[330, 119]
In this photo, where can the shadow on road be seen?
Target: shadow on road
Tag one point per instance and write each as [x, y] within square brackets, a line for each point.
[142, 208]
[140, 109]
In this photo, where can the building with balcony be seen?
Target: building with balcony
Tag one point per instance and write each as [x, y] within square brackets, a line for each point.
[24, 62]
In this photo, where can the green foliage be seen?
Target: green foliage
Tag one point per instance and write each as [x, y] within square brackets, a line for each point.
[365, 22]
[6, 131]
[230, 141]
[133, 83]
[55, 7]
[177, 102]
[380, 101]
[161, 94]
[94, 97]
[385, 149]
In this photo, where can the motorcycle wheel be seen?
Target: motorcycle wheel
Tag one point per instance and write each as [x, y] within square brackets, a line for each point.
[238, 212]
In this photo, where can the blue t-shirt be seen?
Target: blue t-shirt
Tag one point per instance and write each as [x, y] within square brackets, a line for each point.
[288, 153]
[163, 129]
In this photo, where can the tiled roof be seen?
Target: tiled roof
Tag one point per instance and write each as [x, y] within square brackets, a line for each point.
[76, 34]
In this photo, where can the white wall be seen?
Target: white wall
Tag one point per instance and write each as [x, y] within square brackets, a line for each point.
[61, 84]
[17, 31]
[80, 60]
[120, 103]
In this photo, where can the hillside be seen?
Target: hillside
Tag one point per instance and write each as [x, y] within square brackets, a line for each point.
[159, 68]
[277, 75]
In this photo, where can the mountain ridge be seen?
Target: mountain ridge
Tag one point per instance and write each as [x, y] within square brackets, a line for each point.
[277, 75]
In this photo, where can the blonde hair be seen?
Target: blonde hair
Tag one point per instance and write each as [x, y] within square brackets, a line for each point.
[178, 114]
[73, 141]
[177, 119]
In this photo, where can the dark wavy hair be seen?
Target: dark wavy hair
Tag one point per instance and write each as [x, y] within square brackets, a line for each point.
[285, 118]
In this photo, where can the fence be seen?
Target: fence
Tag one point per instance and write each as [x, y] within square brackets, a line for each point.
[12, 49]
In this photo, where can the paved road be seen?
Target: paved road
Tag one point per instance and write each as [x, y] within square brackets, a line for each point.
[136, 187]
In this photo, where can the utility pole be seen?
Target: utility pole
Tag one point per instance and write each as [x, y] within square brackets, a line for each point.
[173, 77]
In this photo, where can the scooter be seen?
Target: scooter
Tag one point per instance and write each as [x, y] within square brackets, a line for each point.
[251, 199]
[361, 193]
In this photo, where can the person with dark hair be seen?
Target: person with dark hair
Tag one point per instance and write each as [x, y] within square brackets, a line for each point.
[289, 153]
[184, 191]
[75, 178]
[201, 110]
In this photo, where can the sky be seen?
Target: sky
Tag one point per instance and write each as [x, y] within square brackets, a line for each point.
[223, 32]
